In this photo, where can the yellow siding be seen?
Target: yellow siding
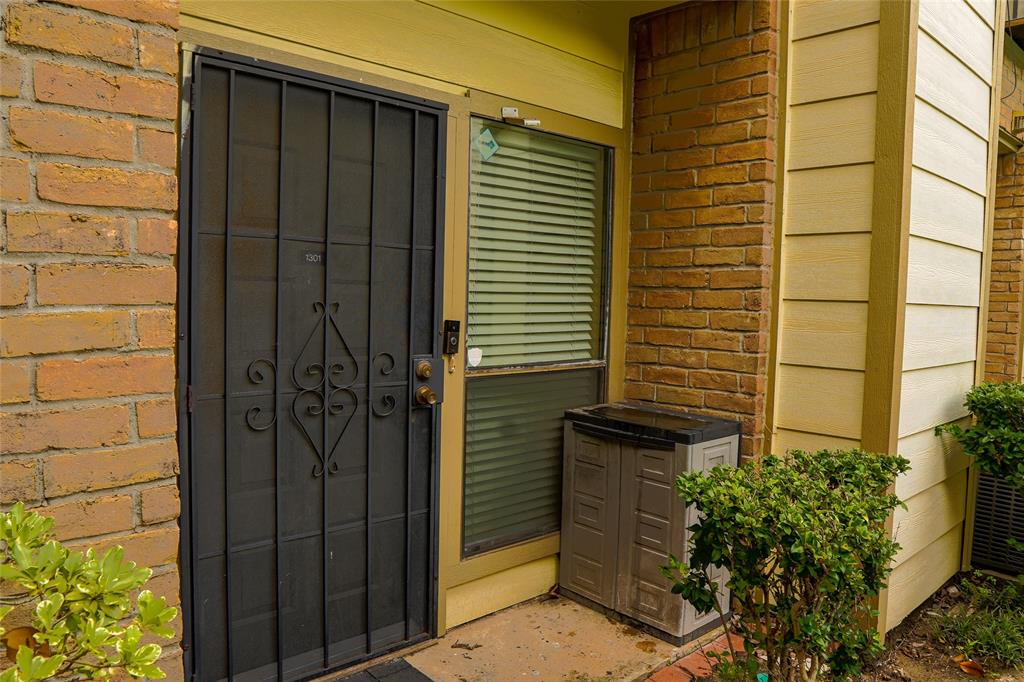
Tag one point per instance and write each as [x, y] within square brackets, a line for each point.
[946, 212]
[826, 223]
[817, 400]
[833, 132]
[835, 66]
[919, 576]
[570, 58]
[935, 460]
[786, 440]
[829, 200]
[826, 290]
[939, 335]
[817, 17]
[823, 334]
[944, 287]
[929, 515]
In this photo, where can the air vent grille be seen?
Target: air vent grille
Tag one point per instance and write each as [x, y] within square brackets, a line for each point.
[999, 515]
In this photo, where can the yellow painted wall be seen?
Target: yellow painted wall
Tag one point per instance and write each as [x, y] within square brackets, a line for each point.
[564, 55]
[949, 184]
[563, 62]
[825, 235]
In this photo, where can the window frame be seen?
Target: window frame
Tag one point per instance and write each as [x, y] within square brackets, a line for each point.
[600, 364]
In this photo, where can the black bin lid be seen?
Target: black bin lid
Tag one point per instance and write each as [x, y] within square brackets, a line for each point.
[654, 423]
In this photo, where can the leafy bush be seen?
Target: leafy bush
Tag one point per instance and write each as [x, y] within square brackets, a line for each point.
[804, 540]
[85, 621]
[996, 439]
[989, 626]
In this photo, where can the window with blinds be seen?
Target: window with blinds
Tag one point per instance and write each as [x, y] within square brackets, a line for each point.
[536, 271]
[535, 253]
[513, 474]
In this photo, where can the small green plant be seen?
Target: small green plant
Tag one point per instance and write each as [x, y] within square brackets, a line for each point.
[996, 438]
[85, 621]
[989, 625]
[804, 540]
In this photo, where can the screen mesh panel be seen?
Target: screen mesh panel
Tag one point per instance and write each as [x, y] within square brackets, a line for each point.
[314, 260]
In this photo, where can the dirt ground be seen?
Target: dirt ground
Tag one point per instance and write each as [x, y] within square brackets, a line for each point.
[915, 654]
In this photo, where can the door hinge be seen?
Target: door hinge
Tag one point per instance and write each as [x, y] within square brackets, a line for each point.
[190, 399]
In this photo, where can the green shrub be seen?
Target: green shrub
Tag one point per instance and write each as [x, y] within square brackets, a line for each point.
[804, 540]
[996, 438]
[989, 625]
[85, 620]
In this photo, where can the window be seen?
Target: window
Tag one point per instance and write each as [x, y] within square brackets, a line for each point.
[535, 330]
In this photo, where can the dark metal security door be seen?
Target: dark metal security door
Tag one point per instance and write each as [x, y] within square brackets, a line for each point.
[313, 360]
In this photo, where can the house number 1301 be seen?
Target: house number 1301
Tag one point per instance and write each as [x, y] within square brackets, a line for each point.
[315, 257]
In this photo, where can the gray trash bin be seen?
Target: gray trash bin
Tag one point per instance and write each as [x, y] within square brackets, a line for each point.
[621, 516]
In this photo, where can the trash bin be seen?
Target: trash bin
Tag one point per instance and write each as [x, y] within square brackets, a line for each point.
[621, 516]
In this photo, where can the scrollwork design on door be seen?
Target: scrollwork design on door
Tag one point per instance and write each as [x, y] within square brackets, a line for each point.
[254, 415]
[323, 392]
[388, 402]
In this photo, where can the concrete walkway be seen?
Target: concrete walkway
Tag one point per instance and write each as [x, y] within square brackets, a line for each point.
[551, 640]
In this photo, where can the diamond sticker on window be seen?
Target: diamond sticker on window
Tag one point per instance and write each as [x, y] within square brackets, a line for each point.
[486, 144]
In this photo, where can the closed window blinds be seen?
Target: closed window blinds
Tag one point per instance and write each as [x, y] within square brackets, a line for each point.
[513, 475]
[535, 252]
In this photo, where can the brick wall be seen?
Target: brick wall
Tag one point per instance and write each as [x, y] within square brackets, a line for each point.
[88, 161]
[1002, 341]
[1002, 348]
[1012, 84]
[701, 215]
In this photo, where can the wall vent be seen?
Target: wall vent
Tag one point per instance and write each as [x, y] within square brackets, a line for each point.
[998, 516]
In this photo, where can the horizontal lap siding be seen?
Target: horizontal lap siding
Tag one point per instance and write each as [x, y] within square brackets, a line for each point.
[944, 278]
[826, 226]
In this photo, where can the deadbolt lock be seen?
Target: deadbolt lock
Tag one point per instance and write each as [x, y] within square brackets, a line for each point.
[424, 370]
[426, 396]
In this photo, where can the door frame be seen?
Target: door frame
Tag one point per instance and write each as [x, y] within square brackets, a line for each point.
[191, 57]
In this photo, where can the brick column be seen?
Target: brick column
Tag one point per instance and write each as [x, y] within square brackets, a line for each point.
[701, 221]
[89, 189]
[1002, 348]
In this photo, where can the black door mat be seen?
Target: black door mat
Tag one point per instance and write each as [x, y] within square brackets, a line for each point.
[393, 671]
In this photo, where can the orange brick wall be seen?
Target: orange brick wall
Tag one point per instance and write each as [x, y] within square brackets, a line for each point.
[1002, 341]
[87, 281]
[701, 215]
[1002, 348]
[1012, 88]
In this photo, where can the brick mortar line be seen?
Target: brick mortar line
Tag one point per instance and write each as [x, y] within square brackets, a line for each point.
[35, 200]
[43, 455]
[31, 102]
[44, 258]
[58, 309]
[130, 349]
[33, 54]
[92, 401]
[89, 162]
[130, 490]
[49, 206]
[96, 15]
